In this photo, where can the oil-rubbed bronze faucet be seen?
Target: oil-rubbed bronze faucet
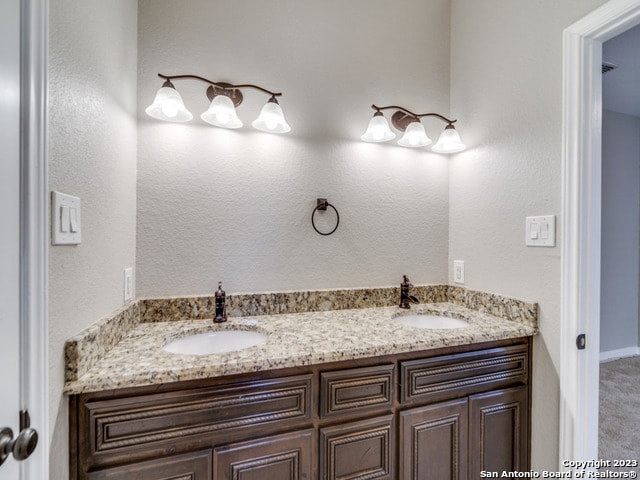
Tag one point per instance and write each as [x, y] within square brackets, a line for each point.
[405, 298]
[221, 308]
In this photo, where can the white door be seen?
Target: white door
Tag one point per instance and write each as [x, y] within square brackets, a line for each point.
[22, 239]
[9, 225]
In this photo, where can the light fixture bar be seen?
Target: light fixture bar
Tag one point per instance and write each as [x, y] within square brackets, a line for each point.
[221, 85]
[402, 121]
[224, 98]
[414, 136]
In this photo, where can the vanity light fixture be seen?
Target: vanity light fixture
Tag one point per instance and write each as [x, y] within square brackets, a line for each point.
[414, 134]
[224, 98]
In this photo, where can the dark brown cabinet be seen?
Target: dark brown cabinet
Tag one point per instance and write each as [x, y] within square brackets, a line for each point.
[499, 423]
[461, 438]
[356, 390]
[190, 466]
[441, 414]
[362, 449]
[434, 441]
[285, 457]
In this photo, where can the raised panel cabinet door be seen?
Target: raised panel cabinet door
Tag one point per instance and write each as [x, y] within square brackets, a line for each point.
[188, 466]
[433, 442]
[278, 457]
[361, 450]
[499, 440]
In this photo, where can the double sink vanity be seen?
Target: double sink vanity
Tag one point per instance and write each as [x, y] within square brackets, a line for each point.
[223, 340]
[297, 385]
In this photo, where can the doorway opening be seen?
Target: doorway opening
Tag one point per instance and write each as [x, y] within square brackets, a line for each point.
[619, 418]
[581, 229]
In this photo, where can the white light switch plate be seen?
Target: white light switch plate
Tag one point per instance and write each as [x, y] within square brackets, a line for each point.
[541, 231]
[65, 219]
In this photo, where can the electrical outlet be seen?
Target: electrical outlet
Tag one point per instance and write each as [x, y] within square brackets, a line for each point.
[458, 271]
[128, 283]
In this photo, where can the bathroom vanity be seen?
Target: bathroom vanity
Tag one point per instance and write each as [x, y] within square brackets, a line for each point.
[445, 413]
[349, 394]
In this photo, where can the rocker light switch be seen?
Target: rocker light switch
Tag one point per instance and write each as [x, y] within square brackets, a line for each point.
[73, 220]
[65, 219]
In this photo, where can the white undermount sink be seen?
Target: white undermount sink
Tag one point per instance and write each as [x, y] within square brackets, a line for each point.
[431, 321]
[215, 342]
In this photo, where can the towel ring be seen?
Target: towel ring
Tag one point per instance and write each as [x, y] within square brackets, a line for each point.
[322, 205]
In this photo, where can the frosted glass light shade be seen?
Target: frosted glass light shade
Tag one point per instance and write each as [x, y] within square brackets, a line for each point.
[222, 113]
[378, 130]
[414, 136]
[271, 119]
[449, 141]
[168, 106]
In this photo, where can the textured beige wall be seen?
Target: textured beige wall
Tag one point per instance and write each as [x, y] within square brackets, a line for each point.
[216, 204]
[92, 154]
[506, 72]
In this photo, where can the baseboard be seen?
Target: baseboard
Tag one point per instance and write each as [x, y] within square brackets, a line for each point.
[620, 353]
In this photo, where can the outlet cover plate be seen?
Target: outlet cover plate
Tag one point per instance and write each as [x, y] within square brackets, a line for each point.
[458, 271]
[128, 283]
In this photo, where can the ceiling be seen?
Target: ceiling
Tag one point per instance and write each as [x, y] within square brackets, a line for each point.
[621, 86]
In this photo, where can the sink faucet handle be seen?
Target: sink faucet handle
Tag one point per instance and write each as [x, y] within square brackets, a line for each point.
[406, 280]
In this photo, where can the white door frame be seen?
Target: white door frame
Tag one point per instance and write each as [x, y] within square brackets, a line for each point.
[34, 367]
[581, 208]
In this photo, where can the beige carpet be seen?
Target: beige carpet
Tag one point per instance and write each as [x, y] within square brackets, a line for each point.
[620, 410]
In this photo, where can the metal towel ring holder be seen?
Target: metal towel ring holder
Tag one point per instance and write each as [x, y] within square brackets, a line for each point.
[322, 205]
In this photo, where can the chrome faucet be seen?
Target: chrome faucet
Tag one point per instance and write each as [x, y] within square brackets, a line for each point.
[405, 298]
[221, 308]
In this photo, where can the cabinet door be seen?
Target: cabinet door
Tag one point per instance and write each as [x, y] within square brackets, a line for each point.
[279, 457]
[499, 431]
[433, 442]
[189, 466]
[361, 450]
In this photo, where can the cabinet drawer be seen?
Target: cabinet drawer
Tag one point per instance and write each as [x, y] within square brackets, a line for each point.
[143, 421]
[447, 376]
[357, 389]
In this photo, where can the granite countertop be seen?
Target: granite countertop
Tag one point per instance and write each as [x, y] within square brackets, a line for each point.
[294, 339]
